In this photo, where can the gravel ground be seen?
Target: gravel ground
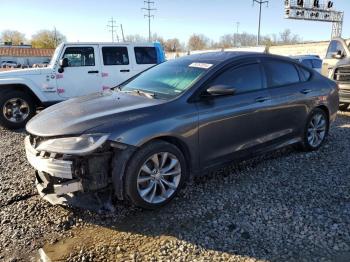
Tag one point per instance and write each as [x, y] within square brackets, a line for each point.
[283, 206]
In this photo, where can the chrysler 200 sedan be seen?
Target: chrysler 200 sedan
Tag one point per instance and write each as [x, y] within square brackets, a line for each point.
[144, 138]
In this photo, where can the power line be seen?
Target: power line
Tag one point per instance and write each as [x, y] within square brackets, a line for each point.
[260, 3]
[149, 15]
[112, 25]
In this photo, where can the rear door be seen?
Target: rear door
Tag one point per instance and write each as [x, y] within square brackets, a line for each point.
[290, 96]
[232, 124]
[145, 57]
[82, 76]
[116, 65]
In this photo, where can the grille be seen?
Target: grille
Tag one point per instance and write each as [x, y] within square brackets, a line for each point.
[342, 74]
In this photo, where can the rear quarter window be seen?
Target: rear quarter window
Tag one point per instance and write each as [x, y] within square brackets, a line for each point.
[145, 55]
[281, 73]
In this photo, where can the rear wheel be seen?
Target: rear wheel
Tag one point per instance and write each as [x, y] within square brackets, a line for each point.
[16, 109]
[316, 130]
[155, 174]
[343, 107]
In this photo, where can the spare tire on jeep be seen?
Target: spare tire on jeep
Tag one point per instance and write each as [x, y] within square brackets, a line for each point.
[16, 108]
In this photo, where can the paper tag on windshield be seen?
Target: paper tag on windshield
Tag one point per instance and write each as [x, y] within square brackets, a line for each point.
[201, 65]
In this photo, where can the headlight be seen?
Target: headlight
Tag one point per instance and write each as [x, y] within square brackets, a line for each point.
[81, 145]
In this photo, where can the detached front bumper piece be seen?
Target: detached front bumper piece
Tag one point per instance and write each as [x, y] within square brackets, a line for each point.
[54, 177]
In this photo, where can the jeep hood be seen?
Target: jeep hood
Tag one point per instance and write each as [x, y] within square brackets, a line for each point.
[76, 116]
[24, 72]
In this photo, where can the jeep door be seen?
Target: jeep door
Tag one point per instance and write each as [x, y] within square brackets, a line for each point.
[234, 124]
[116, 65]
[83, 74]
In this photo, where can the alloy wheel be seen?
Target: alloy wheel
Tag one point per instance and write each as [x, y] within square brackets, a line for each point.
[159, 177]
[317, 129]
[16, 110]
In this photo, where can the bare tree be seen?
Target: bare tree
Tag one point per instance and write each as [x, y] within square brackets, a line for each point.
[198, 42]
[13, 36]
[286, 37]
[173, 45]
[135, 38]
[227, 41]
[47, 39]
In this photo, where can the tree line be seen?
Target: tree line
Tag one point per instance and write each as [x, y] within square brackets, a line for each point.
[50, 39]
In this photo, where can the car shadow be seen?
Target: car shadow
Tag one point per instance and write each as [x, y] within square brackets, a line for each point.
[284, 205]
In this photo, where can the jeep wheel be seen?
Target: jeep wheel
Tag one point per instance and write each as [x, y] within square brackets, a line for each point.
[16, 109]
[343, 107]
[155, 174]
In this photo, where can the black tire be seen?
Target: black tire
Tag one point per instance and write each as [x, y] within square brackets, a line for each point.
[343, 107]
[7, 95]
[305, 145]
[134, 167]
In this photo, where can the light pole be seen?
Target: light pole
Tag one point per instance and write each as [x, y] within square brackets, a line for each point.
[260, 2]
[235, 36]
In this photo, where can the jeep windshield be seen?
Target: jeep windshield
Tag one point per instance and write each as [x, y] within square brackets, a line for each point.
[167, 80]
[55, 55]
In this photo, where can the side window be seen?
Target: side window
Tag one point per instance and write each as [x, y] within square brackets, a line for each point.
[306, 74]
[307, 63]
[280, 73]
[334, 48]
[115, 56]
[80, 56]
[316, 63]
[145, 55]
[244, 79]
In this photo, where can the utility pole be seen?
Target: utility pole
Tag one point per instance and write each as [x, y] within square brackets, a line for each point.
[121, 28]
[260, 2]
[235, 36]
[55, 36]
[149, 15]
[113, 28]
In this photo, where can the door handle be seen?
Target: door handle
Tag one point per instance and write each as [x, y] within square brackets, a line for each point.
[262, 99]
[92, 72]
[125, 70]
[306, 91]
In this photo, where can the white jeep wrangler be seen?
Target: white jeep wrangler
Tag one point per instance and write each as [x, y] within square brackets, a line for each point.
[75, 69]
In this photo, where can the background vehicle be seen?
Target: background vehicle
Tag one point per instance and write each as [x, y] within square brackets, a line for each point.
[76, 69]
[184, 116]
[336, 66]
[9, 64]
[310, 61]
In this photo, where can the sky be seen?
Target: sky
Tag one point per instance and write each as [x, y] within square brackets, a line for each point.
[86, 20]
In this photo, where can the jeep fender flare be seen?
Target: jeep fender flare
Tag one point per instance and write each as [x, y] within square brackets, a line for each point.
[23, 83]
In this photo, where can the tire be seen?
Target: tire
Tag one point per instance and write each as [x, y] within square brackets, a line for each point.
[22, 102]
[319, 133]
[138, 181]
[343, 107]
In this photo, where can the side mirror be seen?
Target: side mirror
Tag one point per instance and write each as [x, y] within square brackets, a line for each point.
[338, 55]
[221, 90]
[63, 63]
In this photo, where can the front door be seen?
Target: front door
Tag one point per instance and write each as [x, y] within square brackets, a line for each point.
[329, 62]
[232, 124]
[82, 76]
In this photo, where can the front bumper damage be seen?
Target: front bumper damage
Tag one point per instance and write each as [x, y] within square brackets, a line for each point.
[73, 180]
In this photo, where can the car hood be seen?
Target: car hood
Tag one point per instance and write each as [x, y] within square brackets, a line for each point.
[24, 72]
[75, 116]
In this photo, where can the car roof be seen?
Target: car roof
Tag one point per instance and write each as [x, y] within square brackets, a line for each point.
[219, 57]
[305, 57]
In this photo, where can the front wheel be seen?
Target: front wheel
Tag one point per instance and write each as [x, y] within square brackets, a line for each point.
[316, 130]
[16, 109]
[155, 174]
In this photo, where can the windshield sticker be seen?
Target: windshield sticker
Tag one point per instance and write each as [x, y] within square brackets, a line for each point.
[201, 65]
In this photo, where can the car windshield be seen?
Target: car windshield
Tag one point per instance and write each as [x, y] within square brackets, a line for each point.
[167, 80]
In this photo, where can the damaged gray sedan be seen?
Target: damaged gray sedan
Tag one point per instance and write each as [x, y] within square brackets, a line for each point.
[142, 140]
